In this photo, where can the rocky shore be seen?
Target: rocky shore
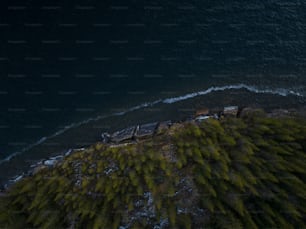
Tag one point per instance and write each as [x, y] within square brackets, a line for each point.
[134, 134]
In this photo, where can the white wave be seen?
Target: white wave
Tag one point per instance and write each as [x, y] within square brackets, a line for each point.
[253, 89]
[23, 150]
[74, 125]
[277, 91]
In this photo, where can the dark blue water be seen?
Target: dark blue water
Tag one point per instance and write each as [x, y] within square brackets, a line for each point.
[65, 62]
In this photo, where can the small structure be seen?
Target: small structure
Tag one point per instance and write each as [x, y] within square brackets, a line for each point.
[230, 111]
[123, 135]
[202, 117]
[202, 112]
[145, 130]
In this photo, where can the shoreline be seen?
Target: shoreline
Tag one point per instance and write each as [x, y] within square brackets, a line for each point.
[282, 92]
[155, 128]
[89, 133]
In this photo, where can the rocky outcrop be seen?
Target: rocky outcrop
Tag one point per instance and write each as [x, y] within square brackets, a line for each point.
[145, 130]
[136, 132]
[163, 126]
[123, 135]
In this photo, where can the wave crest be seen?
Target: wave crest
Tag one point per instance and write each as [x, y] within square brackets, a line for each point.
[253, 89]
[277, 91]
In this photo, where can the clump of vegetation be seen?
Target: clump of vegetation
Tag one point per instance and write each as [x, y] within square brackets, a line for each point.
[233, 173]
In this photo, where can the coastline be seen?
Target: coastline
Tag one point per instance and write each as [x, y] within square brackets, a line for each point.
[149, 131]
[256, 90]
[88, 132]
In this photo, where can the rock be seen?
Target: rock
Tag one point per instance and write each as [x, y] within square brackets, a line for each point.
[163, 126]
[68, 152]
[105, 137]
[146, 130]
[59, 157]
[175, 127]
[279, 113]
[17, 178]
[50, 162]
[123, 135]
[38, 168]
[248, 110]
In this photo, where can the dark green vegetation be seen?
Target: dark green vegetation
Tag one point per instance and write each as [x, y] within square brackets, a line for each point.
[234, 173]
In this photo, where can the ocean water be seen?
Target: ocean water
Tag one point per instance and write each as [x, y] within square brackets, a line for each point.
[69, 71]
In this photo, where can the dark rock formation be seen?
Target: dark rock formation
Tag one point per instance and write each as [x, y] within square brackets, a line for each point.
[145, 130]
[123, 135]
[163, 126]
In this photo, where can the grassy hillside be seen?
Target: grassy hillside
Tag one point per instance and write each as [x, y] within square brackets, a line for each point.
[233, 173]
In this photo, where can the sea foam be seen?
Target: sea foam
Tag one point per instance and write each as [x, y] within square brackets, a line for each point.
[277, 91]
[252, 89]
